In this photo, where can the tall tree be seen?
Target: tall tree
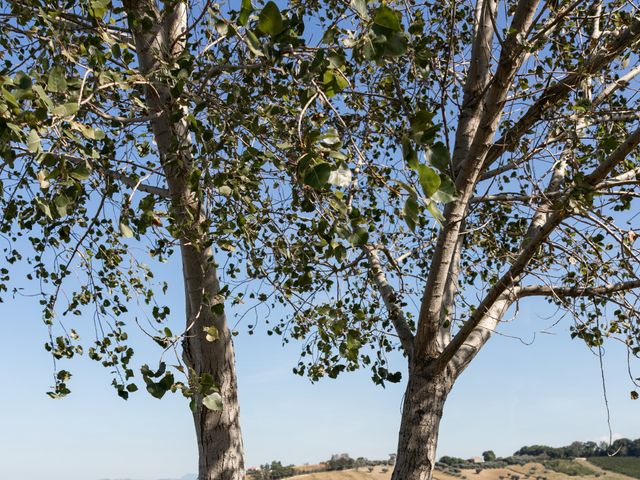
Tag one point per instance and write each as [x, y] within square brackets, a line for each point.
[522, 119]
[139, 120]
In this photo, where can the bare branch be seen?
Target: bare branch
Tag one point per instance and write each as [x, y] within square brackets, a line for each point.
[558, 91]
[510, 61]
[577, 291]
[532, 243]
[391, 302]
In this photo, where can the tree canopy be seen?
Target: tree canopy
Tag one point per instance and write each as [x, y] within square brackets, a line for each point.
[399, 175]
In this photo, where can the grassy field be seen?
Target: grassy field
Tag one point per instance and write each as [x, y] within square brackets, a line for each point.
[569, 467]
[361, 474]
[565, 470]
[626, 465]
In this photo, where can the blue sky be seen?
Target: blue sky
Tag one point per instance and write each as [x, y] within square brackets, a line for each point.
[512, 395]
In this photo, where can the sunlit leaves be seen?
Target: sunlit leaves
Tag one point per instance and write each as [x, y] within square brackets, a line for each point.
[388, 18]
[318, 175]
[211, 333]
[270, 20]
[360, 6]
[33, 141]
[334, 81]
[57, 81]
[98, 8]
[341, 177]
[410, 212]
[213, 402]
[429, 180]
[245, 10]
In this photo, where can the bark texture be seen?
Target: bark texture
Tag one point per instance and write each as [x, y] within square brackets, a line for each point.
[422, 411]
[220, 448]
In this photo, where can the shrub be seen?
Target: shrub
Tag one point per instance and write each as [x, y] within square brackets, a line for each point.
[568, 467]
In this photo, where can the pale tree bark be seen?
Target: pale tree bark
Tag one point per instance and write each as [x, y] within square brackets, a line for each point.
[437, 358]
[220, 447]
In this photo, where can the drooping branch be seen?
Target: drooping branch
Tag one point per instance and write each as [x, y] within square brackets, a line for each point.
[390, 300]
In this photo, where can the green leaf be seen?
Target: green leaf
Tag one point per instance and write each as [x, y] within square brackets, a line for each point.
[9, 97]
[341, 177]
[438, 156]
[270, 20]
[245, 11]
[44, 207]
[66, 109]
[42, 178]
[360, 6]
[447, 191]
[98, 8]
[211, 333]
[61, 203]
[387, 18]
[57, 81]
[225, 190]
[409, 154]
[420, 121]
[33, 142]
[410, 212]
[81, 172]
[429, 180]
[396, 45]
[318, 176]
[359, 237]
[334, 81]
[23, 81]
[213, 402]
[431, 206]
[254, 44]
[46, 99]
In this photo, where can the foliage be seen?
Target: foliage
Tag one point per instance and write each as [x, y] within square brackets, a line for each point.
[625, 465]
[340, 462]
[272, 471]
[488, 456]
[568, 467]
[622, 446]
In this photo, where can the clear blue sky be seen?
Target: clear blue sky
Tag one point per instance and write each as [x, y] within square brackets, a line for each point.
[549, 392]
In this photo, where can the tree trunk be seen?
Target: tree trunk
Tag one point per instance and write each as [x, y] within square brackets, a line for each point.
[421, 414]
[220, 448]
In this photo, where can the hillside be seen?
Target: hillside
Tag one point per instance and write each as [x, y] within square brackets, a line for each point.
[529, 471]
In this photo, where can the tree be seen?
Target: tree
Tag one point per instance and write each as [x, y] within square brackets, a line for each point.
[134, 121]
[521, 119]
[489, 456]
[323, 168]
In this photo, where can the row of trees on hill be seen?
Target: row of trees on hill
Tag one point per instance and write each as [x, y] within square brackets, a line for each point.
[276, 470]
[623, 447]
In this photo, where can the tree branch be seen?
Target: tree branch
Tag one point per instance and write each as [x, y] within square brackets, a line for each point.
[555, 93]
[510, 60]
[577, 291]
[390, 301]
[531, 246]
